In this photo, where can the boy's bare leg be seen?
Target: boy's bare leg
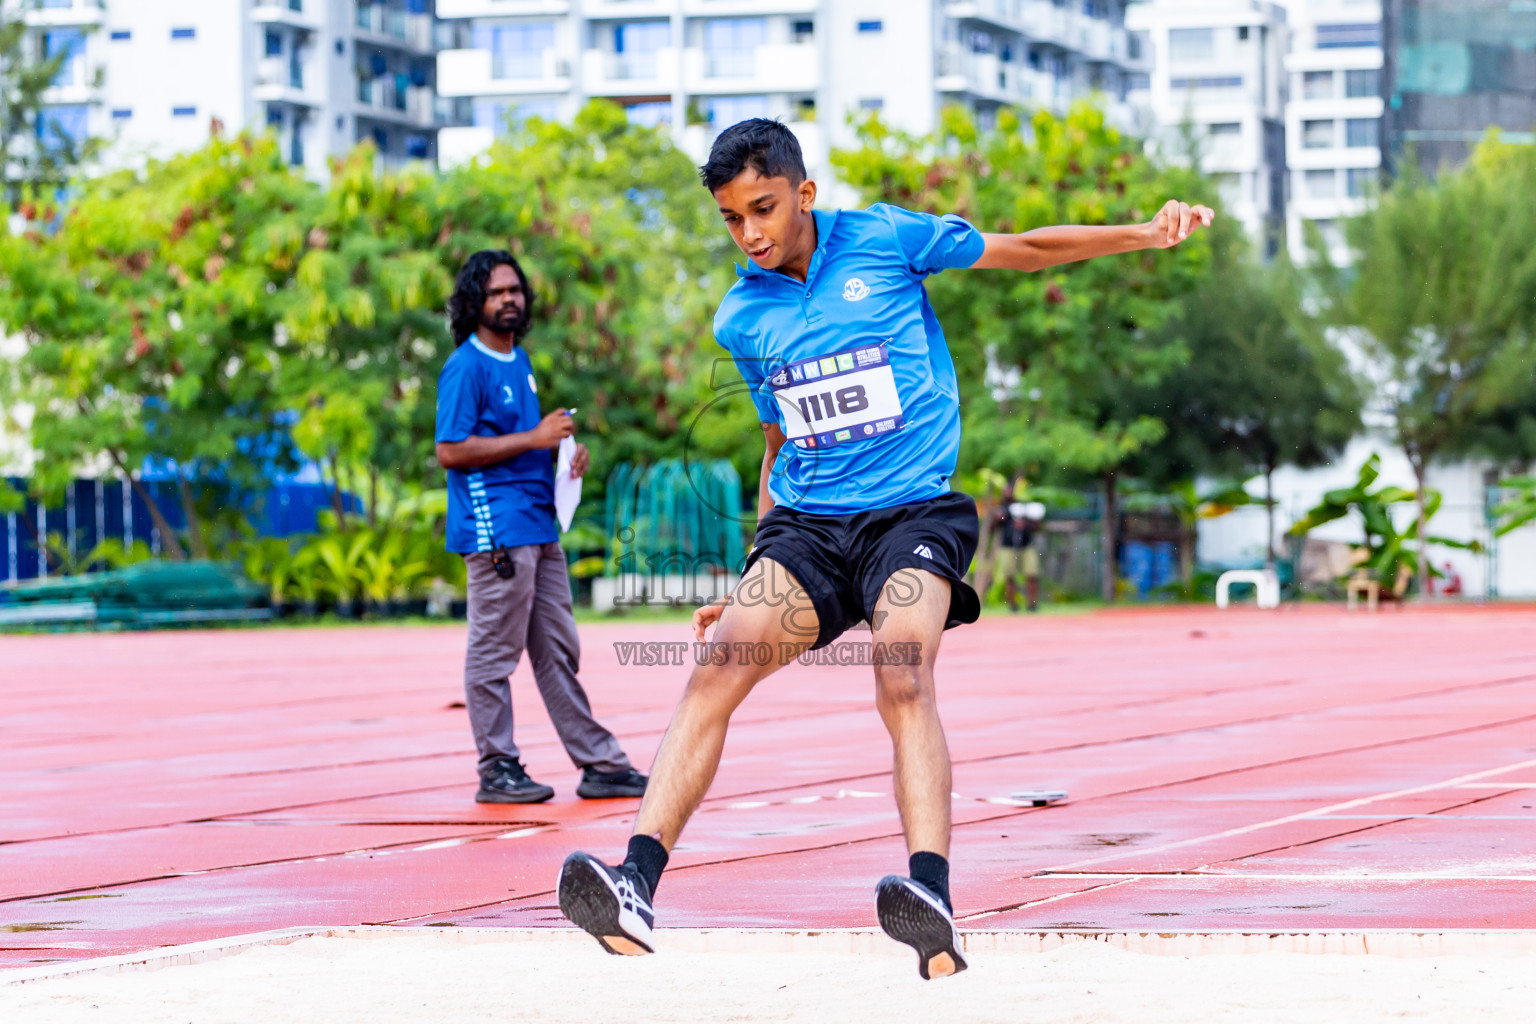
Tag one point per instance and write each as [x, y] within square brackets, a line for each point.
[911, 612]
[767, 607]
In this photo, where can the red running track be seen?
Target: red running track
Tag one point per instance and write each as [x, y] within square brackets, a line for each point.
[1304, 769]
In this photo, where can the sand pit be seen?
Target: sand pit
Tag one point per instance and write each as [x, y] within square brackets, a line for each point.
[421, 976]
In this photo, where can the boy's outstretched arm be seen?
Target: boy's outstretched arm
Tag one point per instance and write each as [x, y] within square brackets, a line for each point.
[1050, 247]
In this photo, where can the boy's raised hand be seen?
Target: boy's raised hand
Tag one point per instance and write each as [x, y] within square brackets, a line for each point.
[1176, 221]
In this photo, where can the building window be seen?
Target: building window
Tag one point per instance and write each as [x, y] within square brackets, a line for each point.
[63, 126]
[1242, 33]
[1317, 85]
[517, 51]
[121, 35]
[1362, 131]
[872, 103]
[802, 31]
[183, 33]
[183, 111]
[1191, 43]
[730, 45]
[1317, 135]
[68, 46]
[724, 111]
[417, 146]
[121, 114]
[1360, 83]
[1335, 37]
[1226, 128]
[274, 43]
[1358, 181]
[872, 26]
[1322, 184]
[1137, 81]
[341, 48]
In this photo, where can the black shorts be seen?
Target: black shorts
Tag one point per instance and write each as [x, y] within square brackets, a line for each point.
[844, 561]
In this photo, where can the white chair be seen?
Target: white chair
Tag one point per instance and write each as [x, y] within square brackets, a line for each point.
[1265, 580]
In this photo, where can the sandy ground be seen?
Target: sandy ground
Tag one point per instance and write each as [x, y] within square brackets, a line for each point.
[419, 978]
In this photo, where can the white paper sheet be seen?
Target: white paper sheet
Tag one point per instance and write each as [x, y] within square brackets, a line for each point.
[567, 487]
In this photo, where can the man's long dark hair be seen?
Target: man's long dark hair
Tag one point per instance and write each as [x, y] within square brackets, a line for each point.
[468, 299]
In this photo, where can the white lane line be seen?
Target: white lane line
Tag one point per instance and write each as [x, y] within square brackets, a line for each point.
[1497, 785]
[1279, 876]
[1055, 898]
[1289, 818]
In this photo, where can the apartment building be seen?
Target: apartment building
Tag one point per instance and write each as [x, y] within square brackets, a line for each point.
[1334, 118]
[151, 75]
[699, 66]
[1455, 69]
[1218, 94]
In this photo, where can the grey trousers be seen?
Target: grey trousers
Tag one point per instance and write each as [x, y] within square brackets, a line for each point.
[531, 610]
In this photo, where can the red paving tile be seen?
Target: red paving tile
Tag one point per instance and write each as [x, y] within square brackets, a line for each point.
[1301, 770]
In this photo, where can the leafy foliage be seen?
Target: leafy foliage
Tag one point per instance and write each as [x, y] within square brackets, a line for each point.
[1044, 357]
[1385, 550]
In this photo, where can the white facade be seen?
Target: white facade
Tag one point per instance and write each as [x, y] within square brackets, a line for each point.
[150, 76]
[702, 65]
[1333, 121]
[1218, 88]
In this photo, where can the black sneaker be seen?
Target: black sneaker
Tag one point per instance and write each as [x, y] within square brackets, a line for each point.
[613, 905]
[596, 785]
[910, 912]
[505, 781]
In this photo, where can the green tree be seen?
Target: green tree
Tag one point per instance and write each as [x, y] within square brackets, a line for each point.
[150, 320]
[1255, 394]
[1045, 359]
[1442, 301]
[626, 261]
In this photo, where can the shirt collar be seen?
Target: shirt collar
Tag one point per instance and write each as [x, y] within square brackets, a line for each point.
[500, 357]
[824, 221]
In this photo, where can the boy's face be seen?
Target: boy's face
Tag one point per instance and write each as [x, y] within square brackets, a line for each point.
[767, 216]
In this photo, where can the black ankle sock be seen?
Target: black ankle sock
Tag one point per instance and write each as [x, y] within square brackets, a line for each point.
[648, 857]
[933, 871]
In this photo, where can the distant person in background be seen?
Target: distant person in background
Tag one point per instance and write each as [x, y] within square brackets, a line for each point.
[498, 452]
[1015, 529]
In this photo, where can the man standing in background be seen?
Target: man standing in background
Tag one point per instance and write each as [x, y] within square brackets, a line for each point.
[498, 452]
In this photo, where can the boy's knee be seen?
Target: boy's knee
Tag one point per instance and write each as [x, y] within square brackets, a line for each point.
[902, 685]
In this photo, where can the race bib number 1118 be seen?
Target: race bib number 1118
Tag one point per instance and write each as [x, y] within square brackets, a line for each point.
[832, 400]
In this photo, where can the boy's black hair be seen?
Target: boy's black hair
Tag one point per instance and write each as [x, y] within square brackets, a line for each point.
[768, 147]
[468, 298]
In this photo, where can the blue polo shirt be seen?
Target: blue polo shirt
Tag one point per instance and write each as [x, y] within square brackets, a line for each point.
[852, 362]
[483, 393]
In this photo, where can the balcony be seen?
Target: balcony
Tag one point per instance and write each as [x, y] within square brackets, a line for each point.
[281, 80]
[384, 98]
[478, 73]
[1003, 14]
[299, 14]
[462, 144]
[81, 12]
[605, 73]
[393, 26]
[767, 69]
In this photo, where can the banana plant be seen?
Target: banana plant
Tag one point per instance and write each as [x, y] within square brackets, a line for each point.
[1514, 512]
[1386, 552]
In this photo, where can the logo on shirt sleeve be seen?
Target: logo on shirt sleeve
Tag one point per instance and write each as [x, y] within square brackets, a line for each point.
[531, 385]
[855, 289]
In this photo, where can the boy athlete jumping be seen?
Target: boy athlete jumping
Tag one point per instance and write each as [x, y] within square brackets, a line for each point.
[853, 381]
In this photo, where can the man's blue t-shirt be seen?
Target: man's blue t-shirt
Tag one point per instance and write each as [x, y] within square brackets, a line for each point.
[852, 362]
[483, 393]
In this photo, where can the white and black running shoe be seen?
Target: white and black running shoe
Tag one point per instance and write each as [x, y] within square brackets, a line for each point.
[613, 905]
[909, 912]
